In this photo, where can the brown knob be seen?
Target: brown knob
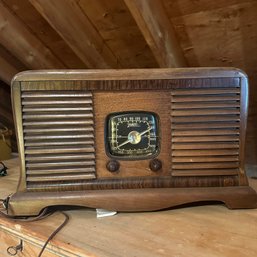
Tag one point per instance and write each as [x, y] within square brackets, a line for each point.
[155, 165]
[113, 165]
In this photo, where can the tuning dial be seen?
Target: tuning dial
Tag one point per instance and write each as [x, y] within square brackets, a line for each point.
[155, 165]
[113, 165]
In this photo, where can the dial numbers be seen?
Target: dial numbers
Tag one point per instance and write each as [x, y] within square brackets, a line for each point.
[132, 135]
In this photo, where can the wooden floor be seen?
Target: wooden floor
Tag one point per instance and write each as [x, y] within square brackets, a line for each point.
[200, 231]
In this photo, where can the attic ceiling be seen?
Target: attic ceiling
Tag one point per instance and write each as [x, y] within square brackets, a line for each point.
[53, 34]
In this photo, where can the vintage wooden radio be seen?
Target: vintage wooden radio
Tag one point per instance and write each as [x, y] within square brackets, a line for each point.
[130, 140]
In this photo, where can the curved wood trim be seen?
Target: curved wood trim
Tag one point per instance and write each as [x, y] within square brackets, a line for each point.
[116, 183]
[28, 203]
[17, 113]
[129, 74]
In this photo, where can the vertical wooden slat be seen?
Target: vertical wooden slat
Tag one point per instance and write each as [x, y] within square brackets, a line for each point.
[243, 125]
[17, 110]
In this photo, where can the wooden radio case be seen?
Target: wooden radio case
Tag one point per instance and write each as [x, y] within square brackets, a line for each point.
[130, 140]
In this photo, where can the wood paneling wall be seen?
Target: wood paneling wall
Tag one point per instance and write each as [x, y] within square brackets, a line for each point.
[101, 33]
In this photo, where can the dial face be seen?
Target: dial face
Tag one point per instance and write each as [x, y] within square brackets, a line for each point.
[132, 135]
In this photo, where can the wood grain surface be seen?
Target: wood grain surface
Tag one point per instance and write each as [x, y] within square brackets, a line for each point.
[197, 231]
[150, 101]
[192, 105]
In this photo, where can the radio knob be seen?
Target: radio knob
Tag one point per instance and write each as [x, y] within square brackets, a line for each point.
[113, 165]
[155, 165]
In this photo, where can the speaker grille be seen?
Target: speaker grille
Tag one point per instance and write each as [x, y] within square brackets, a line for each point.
[205, 129]
[58, 131]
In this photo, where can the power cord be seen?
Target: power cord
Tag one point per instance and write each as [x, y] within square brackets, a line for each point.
[3, 169]
[55, 232]
[44, 214]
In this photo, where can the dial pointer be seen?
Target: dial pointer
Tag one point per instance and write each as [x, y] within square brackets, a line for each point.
[142, 133]
[124, 143]
[131, 137]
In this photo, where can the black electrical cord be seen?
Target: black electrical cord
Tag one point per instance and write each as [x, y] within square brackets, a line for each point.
[3, 170]
[44, 214]
[55, 232]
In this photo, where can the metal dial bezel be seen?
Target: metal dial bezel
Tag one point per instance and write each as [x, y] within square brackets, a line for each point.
[132, 158]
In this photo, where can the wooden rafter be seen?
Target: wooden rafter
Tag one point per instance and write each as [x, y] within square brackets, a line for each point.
[159, 33]
[67, 18]
[7, 70]
[9, 65]
[23, 44]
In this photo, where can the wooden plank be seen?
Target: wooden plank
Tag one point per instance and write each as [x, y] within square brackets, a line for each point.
[202, 105]
[67, 136]
[226, 28]
[77, 30]
[57, 109]
[144, 78]
[220, 118]
[58, 157]
[16, 37]
[159, 33]
[224, 138]
[61, 170]
[120, 32]
[61, 129]
[206, 132]
[206, 145]
[205, 172]
[60, 142]
[56, 150]
[9, 65]
[60, 164]
[57, 116]
[216, 165]
[26, 12]
[55, 102]
[207, 125]
[205, 91]
[50, 94]
[207, 112]
[207, 98]
[203, 159]
[213, 152]
[7, 70]
[187, 7]
[59, 122]
[57, 177]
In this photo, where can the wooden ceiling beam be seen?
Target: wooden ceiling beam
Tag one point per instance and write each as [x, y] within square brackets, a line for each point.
[9, 65]
[7, 70]
[72, 24]
[158, 31]
[16, 37]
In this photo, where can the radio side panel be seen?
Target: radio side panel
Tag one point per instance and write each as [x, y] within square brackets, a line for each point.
[17, 115]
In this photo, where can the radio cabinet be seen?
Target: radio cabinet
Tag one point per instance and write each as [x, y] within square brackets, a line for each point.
[130, 140]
